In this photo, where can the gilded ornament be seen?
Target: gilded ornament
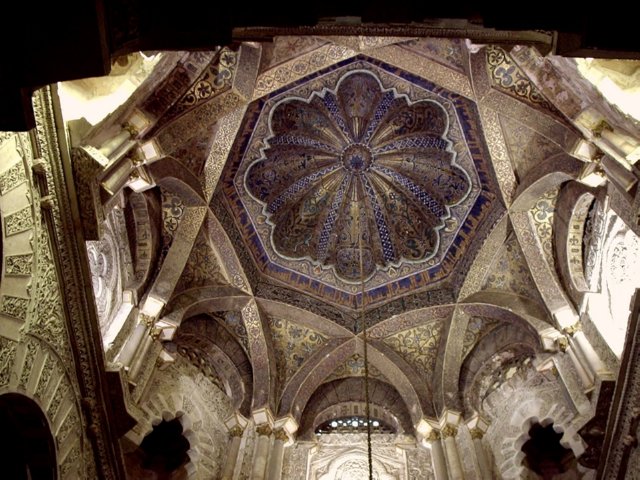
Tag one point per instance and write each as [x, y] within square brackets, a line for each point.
[236, 431]
[573, 329]
[131, 129]
[433, 436]
[476, 433]
[562, 343]
[448, 431]
[263, 430]
[281, 434]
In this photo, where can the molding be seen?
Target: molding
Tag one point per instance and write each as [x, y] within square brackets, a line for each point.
[62, 218]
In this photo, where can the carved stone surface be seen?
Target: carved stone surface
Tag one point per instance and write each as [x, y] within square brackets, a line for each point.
[103, 263]
[7, 356]
[522, 400]
[14, 306]
[11, 178]
[49, 319]
[181, 387]
[345, 456]
[18, 221]
[80, 324]
[19, 264]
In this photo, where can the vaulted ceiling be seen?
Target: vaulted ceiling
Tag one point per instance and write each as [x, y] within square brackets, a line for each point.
[310, 187]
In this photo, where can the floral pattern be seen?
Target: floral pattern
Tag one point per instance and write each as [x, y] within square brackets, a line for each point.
[357, 178]
[542, 213]
[292, 345]
[418, 346]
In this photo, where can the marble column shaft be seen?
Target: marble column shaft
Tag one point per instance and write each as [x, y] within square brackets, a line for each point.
[451, 450]
[232, 455]
[481, 455]
[437, 456]
[261, 452]
[277, 455]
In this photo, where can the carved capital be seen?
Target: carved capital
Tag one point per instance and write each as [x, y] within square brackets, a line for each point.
[131, 129]
[147, 320]
[236, 431]
[601, 127]
[476, 433]
[562, 343]
[433, 436]
[263, 430]
[573, 329]
[281, 434]
[135, 157]
[449, 431]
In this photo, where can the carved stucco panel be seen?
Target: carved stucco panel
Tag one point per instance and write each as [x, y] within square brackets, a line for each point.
[345, 456]
[542, 273]
[499, 153]
[289, 72]
[61, 224]
[262, 355]
[225, 134]
[182, 388]
[426, 68]
[11, 178]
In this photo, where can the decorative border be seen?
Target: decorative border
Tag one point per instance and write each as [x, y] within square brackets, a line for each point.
[61, 219]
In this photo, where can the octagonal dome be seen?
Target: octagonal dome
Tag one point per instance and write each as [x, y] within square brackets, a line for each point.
[359, 174]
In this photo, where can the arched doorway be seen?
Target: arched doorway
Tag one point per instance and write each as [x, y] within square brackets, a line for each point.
[28, 448]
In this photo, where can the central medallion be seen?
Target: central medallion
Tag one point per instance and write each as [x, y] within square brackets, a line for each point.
[357, 158]
[357, 178]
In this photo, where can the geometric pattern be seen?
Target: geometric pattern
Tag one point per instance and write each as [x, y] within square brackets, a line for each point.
[357, 171]
[360, 170]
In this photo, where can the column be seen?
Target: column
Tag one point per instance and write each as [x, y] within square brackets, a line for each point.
[283, 430]
[280, 436]
[437, 455]
[125, 357]
[232, 455]
[140, 356]
[448, 433]
[594, 364]
[136, 123]
[481, 455]
[478, 426]
[115, 142]
[585, 354]
[261, 452]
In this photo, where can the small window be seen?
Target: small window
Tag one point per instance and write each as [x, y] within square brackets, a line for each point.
[354, 424]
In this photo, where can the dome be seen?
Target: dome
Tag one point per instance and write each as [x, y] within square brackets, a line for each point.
[359, 168]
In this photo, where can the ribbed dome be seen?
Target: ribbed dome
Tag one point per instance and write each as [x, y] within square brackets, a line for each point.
[356, 166]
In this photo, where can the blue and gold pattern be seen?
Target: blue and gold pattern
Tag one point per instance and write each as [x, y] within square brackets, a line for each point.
[361, 154]
[357, 166]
